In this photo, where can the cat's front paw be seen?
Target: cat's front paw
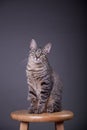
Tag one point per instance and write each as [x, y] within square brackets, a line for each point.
[36, 111]
[41, 108]
[31, 109]
[50, 109]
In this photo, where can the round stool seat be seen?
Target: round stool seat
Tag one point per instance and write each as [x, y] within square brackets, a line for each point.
[57, 117]
[23, 115]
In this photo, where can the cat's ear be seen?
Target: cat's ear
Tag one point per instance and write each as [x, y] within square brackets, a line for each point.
[47, 48]
[33, 44]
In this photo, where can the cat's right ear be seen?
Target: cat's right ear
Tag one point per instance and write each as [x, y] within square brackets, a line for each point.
[47, 48]
[33, 44]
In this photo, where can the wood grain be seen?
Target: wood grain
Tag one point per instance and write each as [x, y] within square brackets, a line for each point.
[24, 116]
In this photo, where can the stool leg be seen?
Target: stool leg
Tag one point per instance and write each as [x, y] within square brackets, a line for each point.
[24, 125]
[59, 126]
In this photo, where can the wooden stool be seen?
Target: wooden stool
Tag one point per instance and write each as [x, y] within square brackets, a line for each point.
[25, 118]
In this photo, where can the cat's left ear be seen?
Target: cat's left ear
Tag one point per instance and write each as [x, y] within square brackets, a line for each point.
[47, 48]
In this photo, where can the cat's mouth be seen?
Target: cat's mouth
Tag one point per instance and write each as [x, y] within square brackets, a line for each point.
[36, 60]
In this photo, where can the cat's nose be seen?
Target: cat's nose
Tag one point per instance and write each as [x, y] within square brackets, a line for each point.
[37, 56]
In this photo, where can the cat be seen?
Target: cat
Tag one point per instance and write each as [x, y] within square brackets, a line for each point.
[44, 85]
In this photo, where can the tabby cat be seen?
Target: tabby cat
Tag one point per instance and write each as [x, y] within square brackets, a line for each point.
[44, 86]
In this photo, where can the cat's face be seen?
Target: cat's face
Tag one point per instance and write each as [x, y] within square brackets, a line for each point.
[38, 55]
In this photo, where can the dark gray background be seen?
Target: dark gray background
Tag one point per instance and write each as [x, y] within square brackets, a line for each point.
[63, 23]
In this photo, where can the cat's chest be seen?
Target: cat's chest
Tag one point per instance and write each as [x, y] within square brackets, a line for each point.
[35, 82]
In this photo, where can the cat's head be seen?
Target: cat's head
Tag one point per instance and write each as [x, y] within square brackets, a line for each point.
[38, 55]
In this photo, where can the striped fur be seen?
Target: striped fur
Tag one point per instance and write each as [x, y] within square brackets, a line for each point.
[44, 86]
